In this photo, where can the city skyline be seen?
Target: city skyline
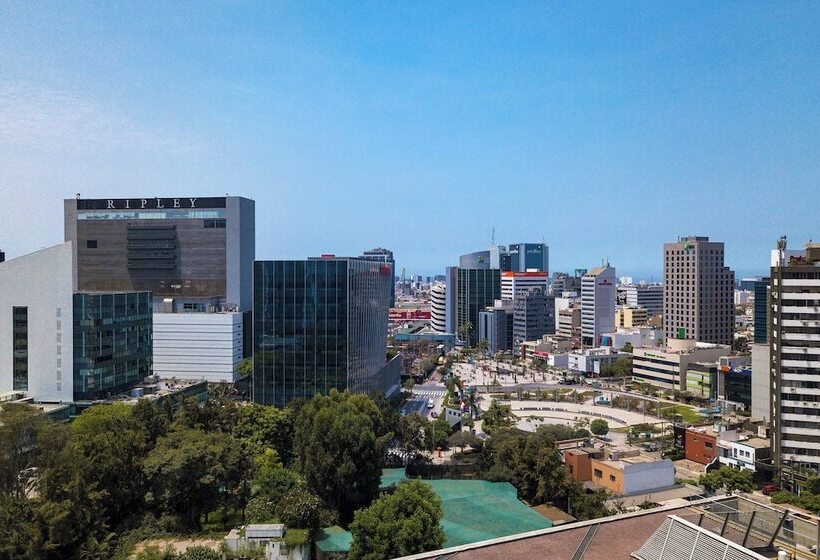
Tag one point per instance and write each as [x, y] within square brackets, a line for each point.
[604, 132]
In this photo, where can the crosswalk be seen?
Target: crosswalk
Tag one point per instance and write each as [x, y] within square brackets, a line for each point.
[429, 392]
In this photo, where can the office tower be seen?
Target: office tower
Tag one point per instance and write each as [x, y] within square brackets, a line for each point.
[495, 325]
[475, 261]
[569, 322]
[529, 256]
[194, 254]
[499, 257]
[62, 345]
[320, 324]
[515, 284]
[386, 256]
[648, 296]
[438, 308]
[698, 291]
[760, 288]
[794, 347]
[476, 288]
[563, 282]
[530, 317]
[2, 256]
[598, 296]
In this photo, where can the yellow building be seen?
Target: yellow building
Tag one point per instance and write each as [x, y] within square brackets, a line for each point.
[629, 317]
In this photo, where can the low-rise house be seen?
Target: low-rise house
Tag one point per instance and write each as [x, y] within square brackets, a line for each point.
[624, 472]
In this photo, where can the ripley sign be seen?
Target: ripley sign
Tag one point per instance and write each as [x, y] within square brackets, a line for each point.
[149, 203]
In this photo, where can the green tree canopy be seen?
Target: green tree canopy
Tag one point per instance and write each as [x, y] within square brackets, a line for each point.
[599, 427]
[338, 450]
[729, 479]
[21, 428]
[498, 416]
[400, 523]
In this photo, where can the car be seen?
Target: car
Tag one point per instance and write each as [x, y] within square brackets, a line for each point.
[769, 488]
[431, 404]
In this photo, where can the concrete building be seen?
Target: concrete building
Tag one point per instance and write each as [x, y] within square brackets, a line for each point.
[195, 255]
[624, 472]
[61, 345]
[648, 296]
[598, 296]
[761, 383]
[591, 360]
[450, 298]
[320, 324]
[514, 284]
[744, 453]
[198, 345]
[638, 337]
[794, 347]
[698, 291]
[495, 325]
[628, 317]
[532, 317]
[569, 323]
[438, 308]
[563, 282]
[666, 367]
[386, 256]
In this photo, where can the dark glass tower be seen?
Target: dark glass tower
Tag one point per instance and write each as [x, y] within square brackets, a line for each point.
[477, 288]
[112, 342]
[761, 315]
[319, 324]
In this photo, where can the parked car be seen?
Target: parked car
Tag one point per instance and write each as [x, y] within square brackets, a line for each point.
[769, 488]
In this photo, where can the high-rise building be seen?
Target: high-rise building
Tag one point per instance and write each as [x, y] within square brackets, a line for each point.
[761, 304]
[386, 256]
[480, 260]
[598, 301]
[495, 325]
[476, 289]
[569, 322]
[563, 282]
[320, 324]
[530, 318]
[698, 291]
[61, 345]
[438, 308]
[194, 254]
[794, 350]
[529, 257]
[648, 296]
[515, 284]
[2, 256]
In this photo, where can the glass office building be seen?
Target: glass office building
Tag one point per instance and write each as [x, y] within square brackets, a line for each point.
[761, 315]
[319, 324]
[112, 342]
[476, 290]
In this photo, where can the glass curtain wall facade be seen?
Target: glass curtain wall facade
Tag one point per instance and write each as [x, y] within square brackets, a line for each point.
[20, 348]
[112, 342]
[477, 289]
[761, 315]
[318, 325]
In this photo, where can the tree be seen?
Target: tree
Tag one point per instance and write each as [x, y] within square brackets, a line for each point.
[20, 535]
[244, 368]
[416, 434]
[398, 524]
[260, 427]
[299, 509]
[599, 427]
[272, 480]
[441, 432]
[190, 471]
[463, 439]
[153, 419]
[628, 347]
[498, 416]
[339, 450]
[465, 331]
[21, 428]
[731, 480]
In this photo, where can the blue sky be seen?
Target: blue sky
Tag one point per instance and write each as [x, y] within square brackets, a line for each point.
[604, 128]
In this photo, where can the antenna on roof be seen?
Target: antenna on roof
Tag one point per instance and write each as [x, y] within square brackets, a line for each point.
[493, 236]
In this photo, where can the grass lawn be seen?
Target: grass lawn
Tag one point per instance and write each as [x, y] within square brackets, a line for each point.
[688, 414]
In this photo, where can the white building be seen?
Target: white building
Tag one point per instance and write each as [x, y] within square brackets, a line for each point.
[198, 345]
[267, 537]
[42, 284]
[438, 308]
[514, 284]
[598, 302]
[794, 348]
[591, 360]
[638, 337]
[666, 367]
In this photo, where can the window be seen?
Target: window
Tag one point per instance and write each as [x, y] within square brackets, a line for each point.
[19, 337]
[598, 473]
[612, 478]
[707, 445]
[91, 244]
[218, 223]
